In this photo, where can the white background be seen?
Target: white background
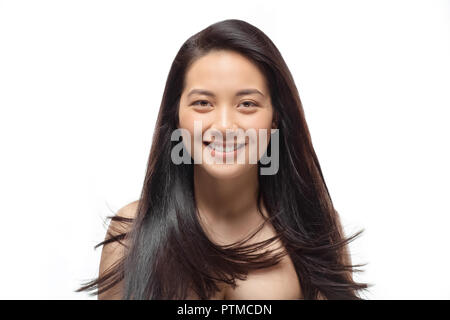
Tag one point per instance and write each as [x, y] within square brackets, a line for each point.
[80, 87]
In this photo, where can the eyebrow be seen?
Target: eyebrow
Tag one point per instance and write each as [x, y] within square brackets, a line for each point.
[239, 93]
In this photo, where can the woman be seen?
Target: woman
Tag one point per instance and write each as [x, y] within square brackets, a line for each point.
[211, 230]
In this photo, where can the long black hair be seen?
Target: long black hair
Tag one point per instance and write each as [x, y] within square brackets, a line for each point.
[169, 252]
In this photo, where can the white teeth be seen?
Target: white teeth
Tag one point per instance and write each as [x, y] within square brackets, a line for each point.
[229, 147]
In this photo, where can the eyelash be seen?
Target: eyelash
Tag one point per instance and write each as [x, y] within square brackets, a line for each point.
[251, 102]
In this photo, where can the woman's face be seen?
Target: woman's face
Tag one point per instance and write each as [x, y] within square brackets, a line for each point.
[225, 93]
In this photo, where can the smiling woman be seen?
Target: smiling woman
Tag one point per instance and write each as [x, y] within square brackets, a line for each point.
[223, 74]
[207, 230]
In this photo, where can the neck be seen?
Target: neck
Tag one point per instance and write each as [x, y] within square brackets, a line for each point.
[231, 200]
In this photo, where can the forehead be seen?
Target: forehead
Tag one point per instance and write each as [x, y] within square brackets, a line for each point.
[224, 71]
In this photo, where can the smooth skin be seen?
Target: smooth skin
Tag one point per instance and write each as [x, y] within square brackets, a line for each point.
[226, 194]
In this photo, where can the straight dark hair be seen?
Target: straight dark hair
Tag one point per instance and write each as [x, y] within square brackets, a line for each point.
[169, 252]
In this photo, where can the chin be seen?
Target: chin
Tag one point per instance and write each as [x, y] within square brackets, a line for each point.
[226, 171]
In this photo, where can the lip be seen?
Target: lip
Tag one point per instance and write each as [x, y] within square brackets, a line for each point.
[237, 148]
[224, 145]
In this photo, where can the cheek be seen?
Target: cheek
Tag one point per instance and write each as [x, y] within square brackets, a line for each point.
[193, 124]
[188, 118]
[259, 120]
[189, 121]
[262, 122]
[186, 122]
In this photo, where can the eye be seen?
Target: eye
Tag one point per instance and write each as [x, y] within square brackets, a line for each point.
[196, 103]
[248, 104]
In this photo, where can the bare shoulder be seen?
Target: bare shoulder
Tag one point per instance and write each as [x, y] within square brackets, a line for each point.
[130, 210]
[113, 252]
[119, 225]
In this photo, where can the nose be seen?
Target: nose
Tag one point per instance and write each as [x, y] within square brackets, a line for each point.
[224, 119]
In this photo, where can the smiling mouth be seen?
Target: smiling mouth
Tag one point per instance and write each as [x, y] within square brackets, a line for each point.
[222, 147]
